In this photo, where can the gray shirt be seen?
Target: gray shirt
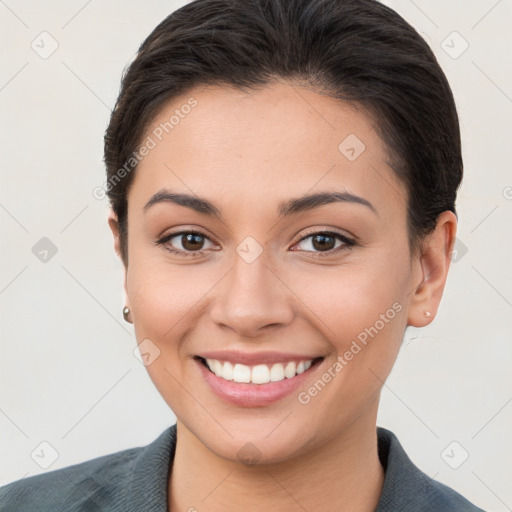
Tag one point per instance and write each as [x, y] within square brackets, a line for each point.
[136, 480]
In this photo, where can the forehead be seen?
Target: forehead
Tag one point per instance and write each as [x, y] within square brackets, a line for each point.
[262, 146]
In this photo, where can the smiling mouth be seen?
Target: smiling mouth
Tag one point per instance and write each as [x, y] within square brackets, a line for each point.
[260, 373]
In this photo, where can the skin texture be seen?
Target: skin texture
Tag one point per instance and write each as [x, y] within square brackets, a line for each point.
[246, 152]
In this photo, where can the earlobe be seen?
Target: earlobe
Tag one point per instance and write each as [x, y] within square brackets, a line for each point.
[434, 263]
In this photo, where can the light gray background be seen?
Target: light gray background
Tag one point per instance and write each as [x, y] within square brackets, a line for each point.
[68, 373]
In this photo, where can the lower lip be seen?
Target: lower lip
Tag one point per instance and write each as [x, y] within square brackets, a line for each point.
[253, 395]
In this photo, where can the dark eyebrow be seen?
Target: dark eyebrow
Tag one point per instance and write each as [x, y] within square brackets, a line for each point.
[198, 204]
[285, 208]
[308, 202]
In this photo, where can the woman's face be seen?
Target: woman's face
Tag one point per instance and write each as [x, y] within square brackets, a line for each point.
[257, 287]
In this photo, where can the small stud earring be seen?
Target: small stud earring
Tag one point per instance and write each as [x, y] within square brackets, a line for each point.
[126, 312]
[427, 313]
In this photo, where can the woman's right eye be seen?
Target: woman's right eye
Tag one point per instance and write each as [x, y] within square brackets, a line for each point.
[189, 241]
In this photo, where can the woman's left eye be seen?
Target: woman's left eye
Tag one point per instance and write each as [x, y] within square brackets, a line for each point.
[321, 243]
[324, 243]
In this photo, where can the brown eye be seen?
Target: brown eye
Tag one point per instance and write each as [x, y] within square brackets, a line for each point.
[185, 243]
[192, 241]
[325, 242]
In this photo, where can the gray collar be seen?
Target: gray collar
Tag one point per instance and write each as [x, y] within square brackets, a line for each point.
[406, 488]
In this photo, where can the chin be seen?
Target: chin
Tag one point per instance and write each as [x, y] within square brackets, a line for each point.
[257, 444]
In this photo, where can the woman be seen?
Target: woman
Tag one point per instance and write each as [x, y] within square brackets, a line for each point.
[282, 177]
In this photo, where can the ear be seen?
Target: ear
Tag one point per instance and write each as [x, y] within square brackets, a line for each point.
[114, 226]
[434, 262]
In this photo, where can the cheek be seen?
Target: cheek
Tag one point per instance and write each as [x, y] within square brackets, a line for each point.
[163, 302]
[361, 312]
[349, 299]
[363, 320]
[161, 299]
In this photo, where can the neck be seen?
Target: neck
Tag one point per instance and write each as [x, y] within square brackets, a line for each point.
[345, 471]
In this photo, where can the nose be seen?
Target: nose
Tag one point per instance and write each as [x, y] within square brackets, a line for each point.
[251, 299]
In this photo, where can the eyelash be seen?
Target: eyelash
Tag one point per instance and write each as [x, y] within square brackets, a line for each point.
[347, 243]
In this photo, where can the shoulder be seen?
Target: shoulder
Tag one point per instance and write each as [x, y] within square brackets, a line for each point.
[407, 488]
[95, 481]
[102, 483]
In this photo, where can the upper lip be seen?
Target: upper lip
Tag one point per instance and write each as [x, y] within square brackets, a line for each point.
[254, 358]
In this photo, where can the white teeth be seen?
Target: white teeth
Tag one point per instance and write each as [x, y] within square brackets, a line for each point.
[276, 372]
[241, 373]
[215, 366]
[259, 374]
[227, 371]
[289, 370]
